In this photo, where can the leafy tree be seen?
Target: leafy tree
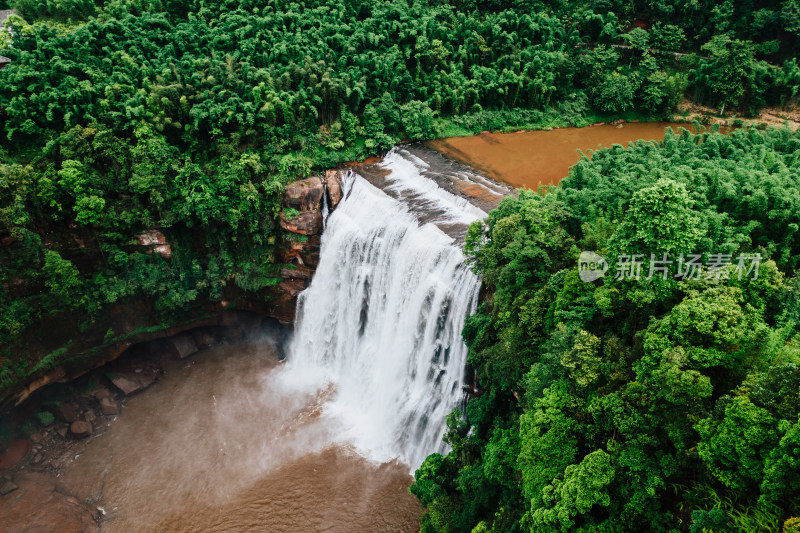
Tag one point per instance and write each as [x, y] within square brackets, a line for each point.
[583, 486]
[728, 72]
[735, 448]
[615, 93]
[62, 278]
[635, 402]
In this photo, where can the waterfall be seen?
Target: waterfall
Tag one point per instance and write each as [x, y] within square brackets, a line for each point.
[325, 208]
[381, 323]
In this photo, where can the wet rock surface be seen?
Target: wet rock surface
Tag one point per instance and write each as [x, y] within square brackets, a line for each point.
[67, 412]
[302, 253]
[39, 503]
[300, 246]
[109, 406]
[80, 429]
[129, 383]
[184, 345]
[306, 223]
[203, 338]
[304, 195]
[333, 179]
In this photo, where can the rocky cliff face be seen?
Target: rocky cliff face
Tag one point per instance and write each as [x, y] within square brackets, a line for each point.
[298, 250]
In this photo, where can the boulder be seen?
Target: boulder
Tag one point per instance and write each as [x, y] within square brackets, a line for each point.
[67, 412]
[301, 253]
[307, 223]
[304, 195]
[154, 239]
[101, 393]
[7, 488]
[80, 429]
[130, 382]
[298, 272]
[41, 504]
[283, 299]
[184, 345]
[333, 179]
[109, 406]
[310, 257]
[202, 338]
[158, 350]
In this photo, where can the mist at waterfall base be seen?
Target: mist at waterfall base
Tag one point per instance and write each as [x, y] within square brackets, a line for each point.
[230, 440]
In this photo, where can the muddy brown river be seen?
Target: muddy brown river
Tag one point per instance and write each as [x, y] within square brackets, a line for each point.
[218, 445]
[535, 158]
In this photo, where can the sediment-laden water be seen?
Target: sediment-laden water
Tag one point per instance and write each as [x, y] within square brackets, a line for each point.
[216, 446]
[534, 158]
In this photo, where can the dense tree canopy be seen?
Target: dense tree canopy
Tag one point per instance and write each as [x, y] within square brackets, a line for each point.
[661, 403]
[188, 117]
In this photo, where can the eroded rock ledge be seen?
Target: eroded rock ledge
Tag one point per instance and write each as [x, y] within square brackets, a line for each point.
[301, 246]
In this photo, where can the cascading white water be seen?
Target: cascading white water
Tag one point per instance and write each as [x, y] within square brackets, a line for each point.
[325, 207]
[381, 322]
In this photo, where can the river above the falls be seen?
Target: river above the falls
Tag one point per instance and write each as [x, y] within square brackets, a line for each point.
[535, 158]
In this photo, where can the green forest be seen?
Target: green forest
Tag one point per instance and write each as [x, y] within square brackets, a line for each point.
[659, 404]
[613, 405]
[122, 116]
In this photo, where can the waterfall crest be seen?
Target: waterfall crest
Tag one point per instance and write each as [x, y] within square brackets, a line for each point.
[381, 322]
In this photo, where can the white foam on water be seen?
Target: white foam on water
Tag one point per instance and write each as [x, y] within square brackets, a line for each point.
[406, 179]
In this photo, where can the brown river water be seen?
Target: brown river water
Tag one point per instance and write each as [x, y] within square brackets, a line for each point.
[216, 445]
[535, 158]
